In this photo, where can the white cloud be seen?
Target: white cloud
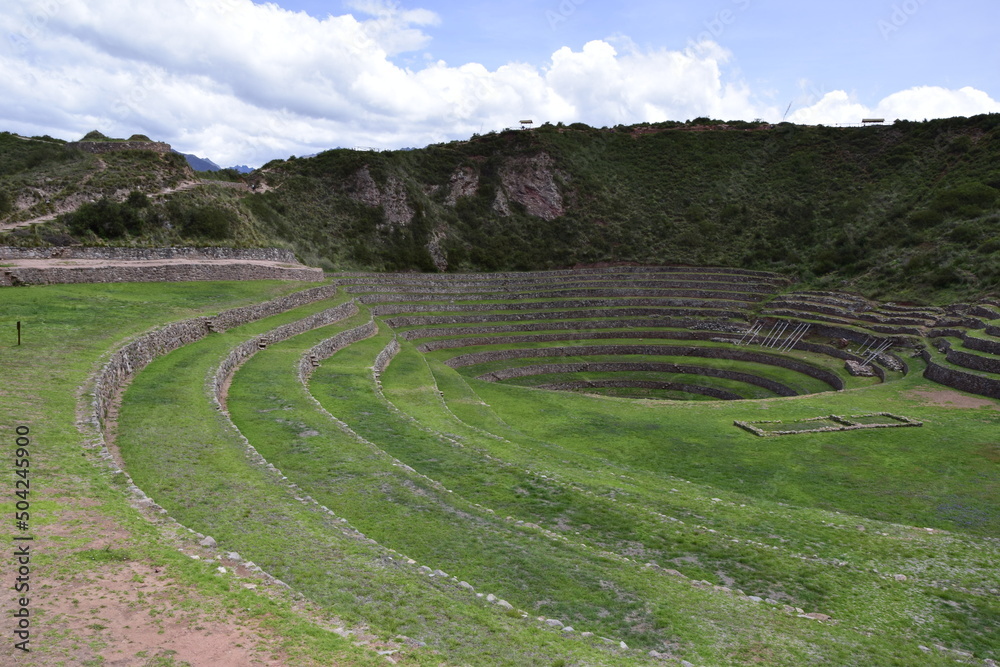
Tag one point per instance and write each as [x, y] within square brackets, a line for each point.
[914, 104]
[244, 83]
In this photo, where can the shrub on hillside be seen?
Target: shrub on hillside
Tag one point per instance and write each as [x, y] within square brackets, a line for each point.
[106, 218]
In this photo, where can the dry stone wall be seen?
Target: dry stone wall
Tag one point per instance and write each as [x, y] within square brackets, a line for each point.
[18, 276]
[958, 379]
[135, 254]
[718, 326]
[404, 308]
[635, 367]
[714, 392]
[332, 345]
[633, 295]
[247, 349]
[981, 344]
[136, 355]
[617, 313]
[821, 374]
[100, 147]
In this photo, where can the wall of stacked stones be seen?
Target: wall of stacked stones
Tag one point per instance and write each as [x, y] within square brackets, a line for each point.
[814, 319]
[635, 367]
[247, 349]
[957, 379]
[331, 346]
[617, 313]
[714, 392]
[993, 330]
[136, 355]
[507, 289]
[136, 254]
[973, 361]
[731, 275]
[877, 318]
[674, 304]
[821, 374]
[385, 357]
[981, 344]
[635, 295]
[237, 316]
[143, 274]
[713, 328]
[116, 146]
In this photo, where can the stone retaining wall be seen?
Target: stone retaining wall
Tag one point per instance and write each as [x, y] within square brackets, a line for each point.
[957, 379]
[16, 277]
[633, 295]
[100, 147]
[452, 343]
[505, 287]
[239, 354]
[820, 374]
[136, 355]
[135, 254]
[732, 275]
[993, 330]
[617, 313]
[714, 392]
[331, 346]
[635, 367]
[981, 344]
[714, 328]
[406, 308]
[973, 361]
[385, 357]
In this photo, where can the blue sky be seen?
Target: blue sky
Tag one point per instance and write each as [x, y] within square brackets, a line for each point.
[245, 82]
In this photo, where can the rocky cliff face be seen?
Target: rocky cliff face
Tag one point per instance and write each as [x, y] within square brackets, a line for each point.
[531, 182]
[361, 187]
[463, 183]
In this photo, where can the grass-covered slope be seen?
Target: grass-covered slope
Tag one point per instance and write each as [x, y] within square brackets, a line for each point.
[401, 493]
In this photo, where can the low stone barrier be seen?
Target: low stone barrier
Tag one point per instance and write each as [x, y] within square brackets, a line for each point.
[714, 328]
[823, 375]
[332, 345]
[405, 308]
[733, 275]
[635, 367]
[453, 343]
[19, 276]
[632, 295]
[125, 362]
[973, 361]
[713, 392]
[845, 424]
[385, 357]
[136, 254]
[430, 286]
[239, 354]
[981, 344]
[958, 379]
[616, 313]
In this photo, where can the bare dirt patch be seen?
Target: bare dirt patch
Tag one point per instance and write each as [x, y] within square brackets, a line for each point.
[949, 398]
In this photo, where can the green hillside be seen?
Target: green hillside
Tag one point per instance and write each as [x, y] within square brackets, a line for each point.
[905, 211]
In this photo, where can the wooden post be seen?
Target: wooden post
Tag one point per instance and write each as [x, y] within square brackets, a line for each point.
[19, 332]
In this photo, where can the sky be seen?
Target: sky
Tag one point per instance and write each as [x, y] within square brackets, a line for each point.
[244, 82]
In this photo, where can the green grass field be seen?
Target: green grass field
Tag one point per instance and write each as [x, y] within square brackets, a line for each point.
[404, 505]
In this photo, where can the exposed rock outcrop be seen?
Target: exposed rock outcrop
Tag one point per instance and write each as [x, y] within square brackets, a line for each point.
[463, 183]
[361, 187]
[531, 182]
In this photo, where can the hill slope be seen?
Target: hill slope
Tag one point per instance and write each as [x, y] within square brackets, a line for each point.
[903, 211]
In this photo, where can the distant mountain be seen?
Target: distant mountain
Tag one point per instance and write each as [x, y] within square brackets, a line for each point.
[200, 163]
[242, 168]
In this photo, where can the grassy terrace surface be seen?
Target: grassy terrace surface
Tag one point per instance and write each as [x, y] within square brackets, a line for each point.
[653, 522]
